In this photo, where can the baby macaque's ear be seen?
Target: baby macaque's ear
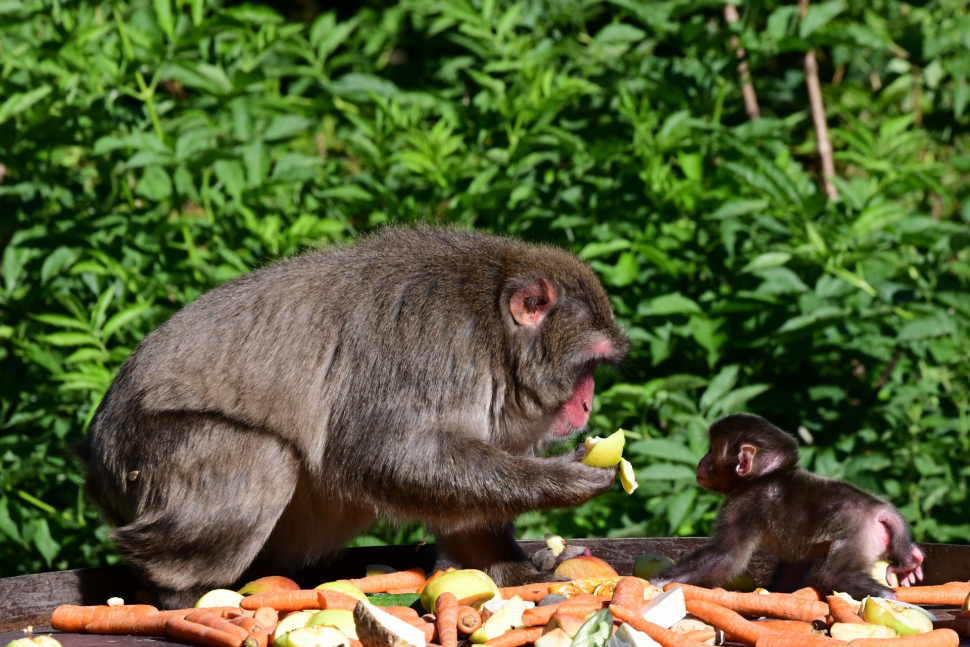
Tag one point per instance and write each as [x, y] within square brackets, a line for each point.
[746, 460]
[529, 304]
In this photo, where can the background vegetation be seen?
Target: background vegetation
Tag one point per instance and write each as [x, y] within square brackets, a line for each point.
[153, 149]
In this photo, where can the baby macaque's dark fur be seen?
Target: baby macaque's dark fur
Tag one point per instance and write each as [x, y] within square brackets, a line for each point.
[772, 503]
[278, 415]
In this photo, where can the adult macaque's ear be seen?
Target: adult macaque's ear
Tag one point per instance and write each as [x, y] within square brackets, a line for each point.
[529, 304]
[746, 459]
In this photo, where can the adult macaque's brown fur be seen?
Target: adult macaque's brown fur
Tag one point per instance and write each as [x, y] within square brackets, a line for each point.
[417, 374]
[770, 502]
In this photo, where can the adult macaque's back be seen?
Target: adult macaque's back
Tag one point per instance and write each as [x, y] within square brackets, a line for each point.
[417, 374]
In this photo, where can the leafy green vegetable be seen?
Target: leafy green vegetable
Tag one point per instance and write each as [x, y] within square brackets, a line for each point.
[595, 631]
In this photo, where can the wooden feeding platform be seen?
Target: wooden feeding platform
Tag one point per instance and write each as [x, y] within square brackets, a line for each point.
[29, 600]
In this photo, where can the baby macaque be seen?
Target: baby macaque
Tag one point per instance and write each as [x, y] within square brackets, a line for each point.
[416, 375]
[772, 503]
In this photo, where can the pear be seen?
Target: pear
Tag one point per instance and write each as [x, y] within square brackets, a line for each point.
[338, 618]
[219, 598]
[465, 583]
[850, 631]
[344, 587]
[604, 452]
[906, 621]
[509, 616]
[648, 566]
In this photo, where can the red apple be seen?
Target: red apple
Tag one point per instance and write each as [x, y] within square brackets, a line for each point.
[269, 584]
[585, 566]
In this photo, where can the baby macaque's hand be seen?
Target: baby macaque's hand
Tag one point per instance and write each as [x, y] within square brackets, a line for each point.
[910, 572]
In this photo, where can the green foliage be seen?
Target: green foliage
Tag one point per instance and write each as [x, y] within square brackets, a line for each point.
[153, 150]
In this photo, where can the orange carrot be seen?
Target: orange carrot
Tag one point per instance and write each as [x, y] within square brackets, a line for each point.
[284, 600]
[327, 599]
[203, 617]
[446, 610]
[410, 589]
[247, 623]
[809, 594]
[268, 617]
[580, 605]
[665, 637]
[935, 638]
[196, 634]
[427, 627]
[788, 626]
[530, 592]
[782, 606]
[69, 617]
[144, 625]
[411, 578]
[257, 639]
[517, 637]
[782, 639]
[701, 635]
[468, 620]
[842, 611]
[629, 593]
[404, 613]
[742, 630]
[952, 594]
[961, 626]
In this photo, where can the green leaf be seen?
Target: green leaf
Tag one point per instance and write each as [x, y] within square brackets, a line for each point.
[666, 472]
[286, 126]
[163, 12]
[817, 319]
[123, 318]
[62, 321]
[595, 250]
[669, 304]
[68, 339]
[735, 208]
[232, 176]
[21, 102]
[735, 400]
[256, 14]
[723, 382]
[679, 506]
[818, 15]
[664, 448]
[7, 525]
[347, 192]
[766, 260]
[924, 328]
[41, 538]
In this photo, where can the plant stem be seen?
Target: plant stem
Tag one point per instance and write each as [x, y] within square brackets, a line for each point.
[747, 89]
[818, 115]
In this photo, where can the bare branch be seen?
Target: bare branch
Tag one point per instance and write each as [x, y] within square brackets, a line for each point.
[818, 115]
[747, 89]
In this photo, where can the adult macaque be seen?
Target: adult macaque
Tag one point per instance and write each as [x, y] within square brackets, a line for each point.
[772, 503]
[417, 375]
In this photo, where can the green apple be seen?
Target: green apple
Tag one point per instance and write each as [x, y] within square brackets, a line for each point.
[464, 584]
[743, 583]
[604, 452]
[341, 619]
[293, 621]
[379, 569]
[506, 618]
[344, 587]
[319, 636]
[906, 621]
[850, 631]
[648, 566]
[219, 598]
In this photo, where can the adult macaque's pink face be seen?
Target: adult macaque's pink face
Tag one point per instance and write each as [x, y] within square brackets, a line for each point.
[575, 413]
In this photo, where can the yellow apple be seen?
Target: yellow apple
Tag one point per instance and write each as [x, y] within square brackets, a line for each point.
[628, 478]
[604, 452]
[339, 618]
[219, 598]
[464, 584]
[293, 621]
[344, 587]
[850, 631]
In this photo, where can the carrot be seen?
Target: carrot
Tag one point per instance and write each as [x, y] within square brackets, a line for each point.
[196, 634]
[952, 594]
[404, 613]
[773, 605]
[410, 589]
[842, 611]
[203, 617]
[69, 617]
[961, 626]
[284, 600]
[935, 638]
[143, 625]
[742, 630]
[581, 605]
[809, 594]
[247, 623]
[258, 638]
[468, 620]
[665, 637]
[701, 635]
[409, 579]
[788, 626]
[446, 609]
[530, 592]
[781, 639]
[629, 593]
[268, 617]
[516, 637]
[427, 627]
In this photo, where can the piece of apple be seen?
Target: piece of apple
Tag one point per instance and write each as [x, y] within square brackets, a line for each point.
[743, 583]
[880, 573]
[379, 569]
[291, 622]
[378, 628]
[319, 636]
[627, 636]
[566, 622]
[604, 452]
[340, 619]
[268, 585]
[554, 638]
[465, 583]
[584, 567]
[37, 641]
[906, 621]
[555, 543]
[344, 587]
[855, 604]
[666, 609]
[850, 631]
[508, 617]
[648, 566]
[628, 478]
[219, 598]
